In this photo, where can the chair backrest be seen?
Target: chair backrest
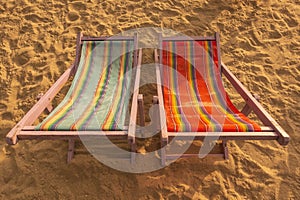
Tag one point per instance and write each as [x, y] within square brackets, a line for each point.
[194, 96]
[99, 94]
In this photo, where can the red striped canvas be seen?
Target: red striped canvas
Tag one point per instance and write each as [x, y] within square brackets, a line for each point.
[194, 95]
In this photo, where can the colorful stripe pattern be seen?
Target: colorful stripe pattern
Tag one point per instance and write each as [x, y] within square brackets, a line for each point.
[194, 96]
[99, 94]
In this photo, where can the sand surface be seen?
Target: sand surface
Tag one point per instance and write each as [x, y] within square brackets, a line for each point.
[260, 44]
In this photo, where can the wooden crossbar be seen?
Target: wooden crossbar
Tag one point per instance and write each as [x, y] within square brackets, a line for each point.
[64, 135]
[176, 156]
[110, 38]
[224, 135]
[188, 38]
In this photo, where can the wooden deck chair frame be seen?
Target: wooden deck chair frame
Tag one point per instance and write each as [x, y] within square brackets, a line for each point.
[270, 131]
[24, 130]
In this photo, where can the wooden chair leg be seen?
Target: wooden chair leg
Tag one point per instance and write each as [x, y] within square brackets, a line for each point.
[163, 152]
[225, 149]
[156, 113]
[141, 109]
[71, 150]
[133, 151]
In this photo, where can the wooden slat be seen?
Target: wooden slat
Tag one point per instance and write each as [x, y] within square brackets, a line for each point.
[39, 107]
[72, 133]
[78, 51]
[177, 156]
[111, 38]
[217, 36]
[28, 128]
[246, 110]
[32, 128]
[71, 150]
[266, 129]
[134, 106]
[225, 149]
[163, 126]
[261, 113]
[224, 135]
[136, 49]
[155, 120]
[66, 135]
[141, 109]
[187, 38]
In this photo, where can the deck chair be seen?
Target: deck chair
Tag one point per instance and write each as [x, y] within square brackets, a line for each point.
[193, 100]
[98, 98]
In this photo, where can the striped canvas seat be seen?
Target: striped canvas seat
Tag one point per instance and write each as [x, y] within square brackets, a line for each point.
[99, 95]
[194, 97]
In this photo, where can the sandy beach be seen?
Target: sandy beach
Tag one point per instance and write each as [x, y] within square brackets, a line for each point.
[260, 43]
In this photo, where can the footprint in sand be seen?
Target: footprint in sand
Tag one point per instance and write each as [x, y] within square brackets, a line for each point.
[23, 56]
[38, 47]
[21, 59]
[7, 116]
[289, 17]
[35, 18]
[101, 27]
[8, 166]
[75, 11]
[171, 13]
[78, 6]
[3, 108]
[73, 16]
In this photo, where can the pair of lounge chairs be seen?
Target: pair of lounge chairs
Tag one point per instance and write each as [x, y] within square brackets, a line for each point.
[193, 104]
